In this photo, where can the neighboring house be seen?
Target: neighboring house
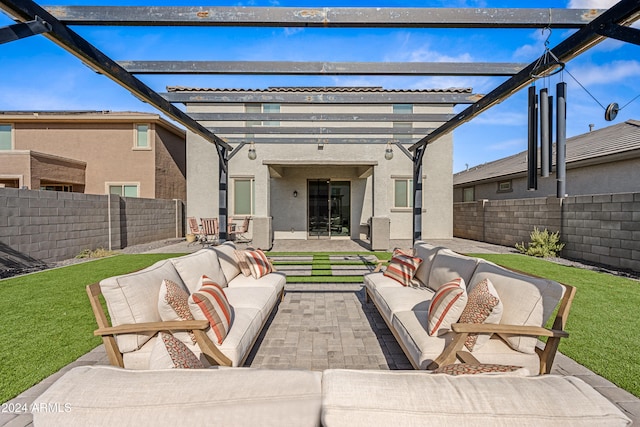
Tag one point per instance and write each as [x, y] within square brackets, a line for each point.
[98, 152]
[603, 161]
[317, 182]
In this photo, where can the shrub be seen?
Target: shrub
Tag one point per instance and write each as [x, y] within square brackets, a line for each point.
[543, 244]
[98, 253]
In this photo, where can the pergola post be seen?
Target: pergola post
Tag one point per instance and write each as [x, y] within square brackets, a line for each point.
[417, 192]
[223, 194]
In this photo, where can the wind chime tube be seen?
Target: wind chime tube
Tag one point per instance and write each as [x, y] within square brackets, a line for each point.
[561, 138]
[532, 158]
[550, 134]
[544, 133]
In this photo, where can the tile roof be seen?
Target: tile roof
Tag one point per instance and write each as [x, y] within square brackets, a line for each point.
[616, 139]
[319, 89]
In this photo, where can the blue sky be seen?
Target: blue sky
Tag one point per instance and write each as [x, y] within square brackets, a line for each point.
[35, 74]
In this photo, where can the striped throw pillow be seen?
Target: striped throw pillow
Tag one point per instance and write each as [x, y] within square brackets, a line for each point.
[483, 306]
[210, 303]
[402, 268]
[258, 263]
[446, 306]
[243, 264]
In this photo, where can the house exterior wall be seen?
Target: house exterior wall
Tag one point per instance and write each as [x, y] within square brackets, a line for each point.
[616, 174]
[106, 143]
[284, 167]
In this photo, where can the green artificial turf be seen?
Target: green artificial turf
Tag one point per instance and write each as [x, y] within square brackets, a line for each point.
[47, 321]
[603, 322]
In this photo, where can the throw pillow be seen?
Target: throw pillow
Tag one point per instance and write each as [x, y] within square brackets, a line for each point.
[446, 306]
[483, 306]
[407, 252]
[210, 303]
[478, 368]
[173, 304]
[258, 263]
[402, 268]
[243, 264]
[169, 352]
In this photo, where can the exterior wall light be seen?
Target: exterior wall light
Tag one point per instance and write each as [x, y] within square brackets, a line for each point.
[251, 154]
[388, 152]
[295, 193]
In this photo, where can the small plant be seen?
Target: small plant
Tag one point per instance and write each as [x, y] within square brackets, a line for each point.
[98, 253]
[543, 244]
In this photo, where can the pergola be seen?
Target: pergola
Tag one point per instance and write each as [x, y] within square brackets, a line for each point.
[55, 23]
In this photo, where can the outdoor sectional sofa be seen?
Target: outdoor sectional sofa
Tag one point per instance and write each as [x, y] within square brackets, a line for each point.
[131, 338]
[237, 397]
[526, 303]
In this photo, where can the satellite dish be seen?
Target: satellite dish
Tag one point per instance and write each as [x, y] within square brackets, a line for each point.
[611, 112]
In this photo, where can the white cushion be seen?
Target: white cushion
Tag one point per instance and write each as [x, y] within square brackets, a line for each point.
[133, 298]
[107, 396]
[378, 280]
[411, 328]
[392, 300]
[245, 327]
[227, 260]
[262, 299]
[353, 398]
[447, 265]
[272, 280]
[193, 266]
[427, 253]
[526, 300]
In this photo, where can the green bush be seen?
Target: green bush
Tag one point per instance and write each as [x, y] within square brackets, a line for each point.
[543, 244]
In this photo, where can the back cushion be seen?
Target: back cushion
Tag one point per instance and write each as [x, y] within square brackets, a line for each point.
[133, 298]
[228, 260]
[427, 253]
[526, 300]
[448, 265]
[202, 263]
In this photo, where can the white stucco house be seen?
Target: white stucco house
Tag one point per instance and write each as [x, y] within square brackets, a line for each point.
[319, 163]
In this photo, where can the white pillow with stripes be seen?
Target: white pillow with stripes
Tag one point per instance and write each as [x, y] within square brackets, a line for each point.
[446, 306]
[210, 303]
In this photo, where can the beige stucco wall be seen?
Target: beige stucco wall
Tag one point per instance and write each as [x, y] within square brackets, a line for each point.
[170, 165]
[371, 193]
[619, 174]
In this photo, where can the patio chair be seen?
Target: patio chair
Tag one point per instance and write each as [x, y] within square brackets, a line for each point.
[239, 231]
[195, 230]
[210, 230]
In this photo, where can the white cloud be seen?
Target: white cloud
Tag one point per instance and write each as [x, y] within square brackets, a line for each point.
[591, 4]
[606, 74]
[508, 144]
[290, 31]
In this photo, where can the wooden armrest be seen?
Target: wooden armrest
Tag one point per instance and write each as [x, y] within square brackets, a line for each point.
[534, 331]
[132, 328]
[379, 265]
[273, 267]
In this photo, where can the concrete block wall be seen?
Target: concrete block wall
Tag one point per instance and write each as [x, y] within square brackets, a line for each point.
[603, 229]
[468, 220]
[507, 222]
[51, 226]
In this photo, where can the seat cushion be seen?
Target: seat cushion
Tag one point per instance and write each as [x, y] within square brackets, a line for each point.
[133, 298]
[245, 328]
[272, 280]
[353, 398]
[261, 298]
[374, 281]
[392, 300]
[193, 266]
[108, 396]
[411, 329]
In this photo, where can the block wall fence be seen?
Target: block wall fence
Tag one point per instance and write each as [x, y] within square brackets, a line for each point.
[51, 226]
[602, 229]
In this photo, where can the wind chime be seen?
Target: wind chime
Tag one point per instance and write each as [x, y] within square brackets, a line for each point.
[541, 107]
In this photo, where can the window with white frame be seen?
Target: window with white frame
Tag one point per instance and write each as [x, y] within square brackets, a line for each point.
[6, 132]
[262, 108]
[468, 194]
[243, 196]
[124, 190]
[504, 187]
[142, 136]
[402, 108]
[403, 193]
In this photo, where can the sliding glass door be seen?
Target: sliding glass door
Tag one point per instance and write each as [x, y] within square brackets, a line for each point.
[329, 208]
